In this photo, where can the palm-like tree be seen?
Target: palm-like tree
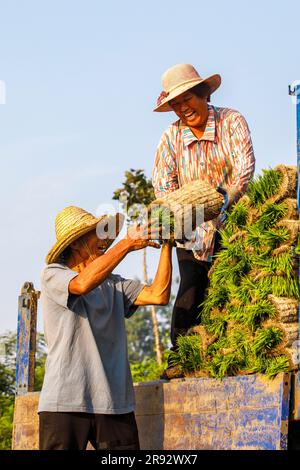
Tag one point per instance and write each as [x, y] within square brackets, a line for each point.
[135, 196]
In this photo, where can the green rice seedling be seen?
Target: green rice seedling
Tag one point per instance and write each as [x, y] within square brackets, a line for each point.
[162, 217]
[254, 237]
[271, 366]
[271, 214]
[252, 315]
[217, 325]
[274, 238]
[257, 364]
[283, 262]
[230, 272]
[226, 233]
[221, 343]
[297, 246]
[264, 186]
[266, 241]
[225, 365]
[251, 291]
[240, 340]
[237, 217]
[216, 298]
[189, 355]
[280, 286]
[276, 365]
[266, 339]
[235, 250]
[233, 293]
[233, 263]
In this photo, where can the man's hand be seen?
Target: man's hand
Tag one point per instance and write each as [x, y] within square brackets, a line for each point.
[142, 236]
[97, 271]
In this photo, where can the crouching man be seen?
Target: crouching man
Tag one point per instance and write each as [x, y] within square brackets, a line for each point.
[88, 395]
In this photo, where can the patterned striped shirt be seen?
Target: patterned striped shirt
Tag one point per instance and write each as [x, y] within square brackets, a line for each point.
[223, 156]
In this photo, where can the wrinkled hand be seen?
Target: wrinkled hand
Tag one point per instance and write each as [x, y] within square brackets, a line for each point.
[141, 236]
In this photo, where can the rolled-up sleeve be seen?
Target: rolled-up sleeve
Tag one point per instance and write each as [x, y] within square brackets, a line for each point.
[164, 174]
[130, 289]
[55, 280]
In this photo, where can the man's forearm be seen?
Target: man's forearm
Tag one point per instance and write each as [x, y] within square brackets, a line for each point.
[159, 291]
[97, 271]
[161, 285]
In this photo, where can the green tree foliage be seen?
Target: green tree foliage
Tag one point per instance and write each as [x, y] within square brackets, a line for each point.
[140, 336]
[6, 420]
[135, 194]
[148, 369]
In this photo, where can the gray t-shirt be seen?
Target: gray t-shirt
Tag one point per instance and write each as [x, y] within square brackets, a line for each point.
[87, 368]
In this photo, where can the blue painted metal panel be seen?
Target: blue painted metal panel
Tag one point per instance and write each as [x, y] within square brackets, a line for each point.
[296, 391]
[297, 92]
[244, 412]
[297, 95]
[26, 339]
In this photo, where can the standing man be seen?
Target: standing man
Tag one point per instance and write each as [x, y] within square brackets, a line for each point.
[87, 393]
[207, 143]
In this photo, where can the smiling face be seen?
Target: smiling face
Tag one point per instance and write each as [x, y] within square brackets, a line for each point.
[95, 245]
[87, 248]
[191, 109]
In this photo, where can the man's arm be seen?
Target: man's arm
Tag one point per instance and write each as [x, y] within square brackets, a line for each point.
[98, 270]
[159, 291]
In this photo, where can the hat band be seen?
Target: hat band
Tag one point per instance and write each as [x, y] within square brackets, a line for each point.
[182, 84]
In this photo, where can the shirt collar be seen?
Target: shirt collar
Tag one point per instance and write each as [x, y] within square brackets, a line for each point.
[209, 133]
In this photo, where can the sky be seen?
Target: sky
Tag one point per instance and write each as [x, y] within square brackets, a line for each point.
[81, 80]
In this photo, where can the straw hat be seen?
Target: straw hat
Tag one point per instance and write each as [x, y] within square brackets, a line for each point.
[73, 222]
[180, 78]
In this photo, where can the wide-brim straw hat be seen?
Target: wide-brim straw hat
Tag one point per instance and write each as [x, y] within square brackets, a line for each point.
[179, 79]
[72, 222]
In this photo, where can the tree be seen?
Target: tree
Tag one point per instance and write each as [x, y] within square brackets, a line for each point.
[140, 335]
[135, 195]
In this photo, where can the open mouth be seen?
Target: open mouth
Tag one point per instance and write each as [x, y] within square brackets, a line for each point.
[190, 115]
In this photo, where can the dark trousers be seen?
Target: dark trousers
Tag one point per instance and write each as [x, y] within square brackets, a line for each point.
[73, 431]
[191, 293]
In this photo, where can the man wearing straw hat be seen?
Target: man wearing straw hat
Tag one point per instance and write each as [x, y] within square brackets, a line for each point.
[209, 143]
[87, 393]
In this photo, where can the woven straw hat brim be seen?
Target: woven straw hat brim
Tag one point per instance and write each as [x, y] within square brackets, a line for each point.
[61, 245]
[214, 81]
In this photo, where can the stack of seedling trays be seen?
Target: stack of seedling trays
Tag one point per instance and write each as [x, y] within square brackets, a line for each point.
[249, 320]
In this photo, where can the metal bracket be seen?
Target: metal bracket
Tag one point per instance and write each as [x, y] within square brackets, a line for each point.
[292, 91]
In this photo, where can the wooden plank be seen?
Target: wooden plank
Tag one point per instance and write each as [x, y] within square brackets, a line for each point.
[26, 422]
[26, 339]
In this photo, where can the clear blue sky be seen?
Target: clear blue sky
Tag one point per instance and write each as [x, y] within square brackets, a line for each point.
[82, 78]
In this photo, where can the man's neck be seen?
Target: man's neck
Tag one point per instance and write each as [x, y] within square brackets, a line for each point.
[78, 264]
